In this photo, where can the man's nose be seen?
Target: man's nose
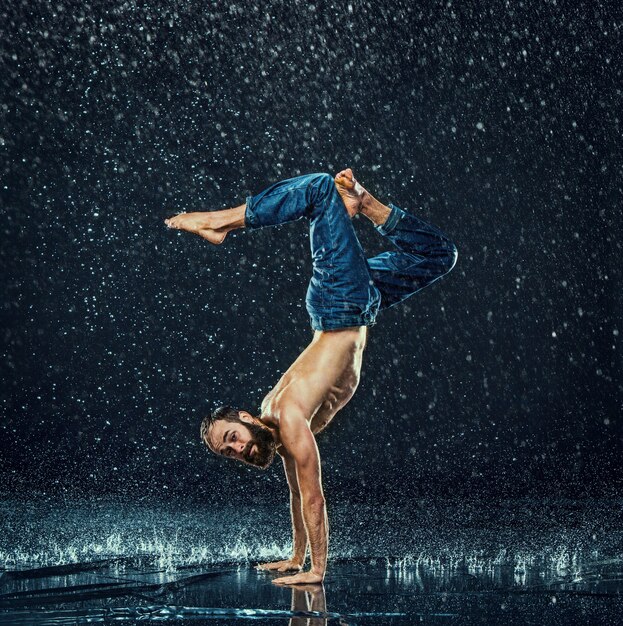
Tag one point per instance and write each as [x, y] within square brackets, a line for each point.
[240, 448]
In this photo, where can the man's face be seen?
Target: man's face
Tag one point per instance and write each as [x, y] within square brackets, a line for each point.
[248, 442]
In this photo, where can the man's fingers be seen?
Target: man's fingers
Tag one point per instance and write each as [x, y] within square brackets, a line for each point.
[269, 566]
[279, 566]
[289, 580]
[282, 581]
[299, 579]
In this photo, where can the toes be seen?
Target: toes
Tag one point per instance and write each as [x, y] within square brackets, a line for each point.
[172, 222]
[345, 177]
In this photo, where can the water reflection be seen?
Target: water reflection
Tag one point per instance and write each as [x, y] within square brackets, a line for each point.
[309, 599]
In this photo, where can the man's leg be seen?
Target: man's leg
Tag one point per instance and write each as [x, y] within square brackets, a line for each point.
[309, 196]
[341, 292]
[424, 253]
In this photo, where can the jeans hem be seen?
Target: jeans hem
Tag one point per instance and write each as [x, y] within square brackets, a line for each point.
[251, 220]
[344, 321]
[392, 221]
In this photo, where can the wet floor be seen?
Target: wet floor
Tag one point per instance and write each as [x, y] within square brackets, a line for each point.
[355, 592]
[553, 564]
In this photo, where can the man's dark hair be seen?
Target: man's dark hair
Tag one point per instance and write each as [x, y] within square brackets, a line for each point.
[227, 413]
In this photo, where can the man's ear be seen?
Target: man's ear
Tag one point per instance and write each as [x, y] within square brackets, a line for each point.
[245, 416]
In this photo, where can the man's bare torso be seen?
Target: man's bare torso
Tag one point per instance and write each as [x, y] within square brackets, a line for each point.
[322, 379]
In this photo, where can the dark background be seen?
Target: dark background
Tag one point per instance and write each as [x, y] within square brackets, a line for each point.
[499, 122]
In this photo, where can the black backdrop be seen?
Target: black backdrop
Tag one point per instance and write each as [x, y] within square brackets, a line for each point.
[498, 122]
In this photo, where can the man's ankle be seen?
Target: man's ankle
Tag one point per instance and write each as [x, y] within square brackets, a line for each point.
[374, 210]
[229, 219]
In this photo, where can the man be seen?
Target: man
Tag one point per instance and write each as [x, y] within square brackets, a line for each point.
[345, 293]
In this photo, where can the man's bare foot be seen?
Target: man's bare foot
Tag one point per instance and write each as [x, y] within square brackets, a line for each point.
[352, 193]
[202, 224]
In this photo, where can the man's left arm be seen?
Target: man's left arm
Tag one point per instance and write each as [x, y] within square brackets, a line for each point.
[299, 442]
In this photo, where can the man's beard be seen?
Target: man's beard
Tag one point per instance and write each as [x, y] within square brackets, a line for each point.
[263, 440]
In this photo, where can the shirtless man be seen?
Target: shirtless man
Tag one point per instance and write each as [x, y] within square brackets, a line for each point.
[345, 293]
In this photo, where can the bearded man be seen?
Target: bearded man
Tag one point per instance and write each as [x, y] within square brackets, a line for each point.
[345, 294]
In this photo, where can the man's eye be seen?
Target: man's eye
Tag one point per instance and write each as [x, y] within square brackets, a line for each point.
[234, 437]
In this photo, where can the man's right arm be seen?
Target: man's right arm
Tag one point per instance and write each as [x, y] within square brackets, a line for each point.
[299, 534]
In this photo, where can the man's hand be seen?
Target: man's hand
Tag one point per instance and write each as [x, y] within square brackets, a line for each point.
[304, 578]
[291, 565]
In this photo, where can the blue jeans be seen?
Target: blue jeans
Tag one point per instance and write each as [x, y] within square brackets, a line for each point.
[346, 289]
